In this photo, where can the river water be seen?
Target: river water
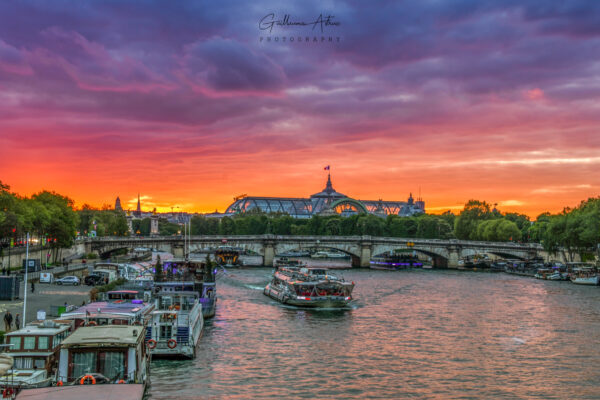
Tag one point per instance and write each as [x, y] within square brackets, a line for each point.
[420, 334]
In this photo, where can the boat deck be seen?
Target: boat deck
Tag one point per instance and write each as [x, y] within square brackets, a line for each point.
[87, 392]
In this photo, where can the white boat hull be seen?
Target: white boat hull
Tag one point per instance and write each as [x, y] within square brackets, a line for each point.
[182, 348]
[591, 280]
[303, 301]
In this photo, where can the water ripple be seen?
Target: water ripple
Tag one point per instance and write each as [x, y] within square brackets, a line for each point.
[412, 334]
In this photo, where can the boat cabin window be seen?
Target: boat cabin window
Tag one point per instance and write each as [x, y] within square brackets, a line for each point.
[304, 290]
[166, 331]
[28, 342]
[111, 364]
[165, 302]
[318, 271]
[23, 363]
[57, 339]
[43, 343]
[121, 296]
[16, 342]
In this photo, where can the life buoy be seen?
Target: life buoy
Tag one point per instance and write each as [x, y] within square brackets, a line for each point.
[7, 393]
[59, 383]
[85, 378]
[151, 343]
[121, 381]
[172, 343]
[92, 323]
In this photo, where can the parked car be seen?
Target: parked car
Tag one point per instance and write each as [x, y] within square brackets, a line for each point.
[93, 280]
[67, 280]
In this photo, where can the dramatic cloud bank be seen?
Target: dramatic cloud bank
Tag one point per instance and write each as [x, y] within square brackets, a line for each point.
[191, 103]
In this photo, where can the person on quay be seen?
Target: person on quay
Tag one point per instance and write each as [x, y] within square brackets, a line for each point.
[7, 321]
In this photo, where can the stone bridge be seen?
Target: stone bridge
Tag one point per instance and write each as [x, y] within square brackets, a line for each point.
[445, 253]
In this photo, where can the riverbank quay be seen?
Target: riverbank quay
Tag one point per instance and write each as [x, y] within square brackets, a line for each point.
[46, 297]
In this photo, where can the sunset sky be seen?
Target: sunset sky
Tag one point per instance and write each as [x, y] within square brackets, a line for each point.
[188, 103]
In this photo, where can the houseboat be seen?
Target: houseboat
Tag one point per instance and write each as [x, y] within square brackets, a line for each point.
[34, 350]
[177, 321]
[395, 261]
[198, 272]
[309, 287]
[99, 362]
[114, 311]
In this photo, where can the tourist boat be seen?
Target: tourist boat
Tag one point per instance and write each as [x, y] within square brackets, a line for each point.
[227, 256]
[177, 321]
[198, 272]
[395, 261]
[585, 275]
[34, 350]
[309, 287]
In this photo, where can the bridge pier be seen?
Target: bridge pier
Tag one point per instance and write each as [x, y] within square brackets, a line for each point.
[366, 246]
[177, 250]
[453, 256]
[269, 251]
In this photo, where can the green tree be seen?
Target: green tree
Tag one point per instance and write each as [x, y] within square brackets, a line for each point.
[369, 224]
[227, 226]
[333, 226]
[523, 223]
[166, 228]
[466, 223]
[402, 227]
[63, 219]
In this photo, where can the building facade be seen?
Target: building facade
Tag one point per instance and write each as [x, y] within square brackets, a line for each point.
[326, 202]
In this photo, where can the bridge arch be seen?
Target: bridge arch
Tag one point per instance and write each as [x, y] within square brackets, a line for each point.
[439, 257]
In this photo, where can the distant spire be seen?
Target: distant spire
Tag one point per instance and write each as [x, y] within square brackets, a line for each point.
[329, 186]
[118, 204]
[138, 210]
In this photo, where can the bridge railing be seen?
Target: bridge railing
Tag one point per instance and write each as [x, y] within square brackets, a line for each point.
[316, 239]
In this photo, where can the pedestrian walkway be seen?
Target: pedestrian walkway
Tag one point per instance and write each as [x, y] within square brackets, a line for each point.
[45, 296]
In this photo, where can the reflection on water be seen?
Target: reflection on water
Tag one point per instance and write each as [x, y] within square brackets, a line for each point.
[409, 334]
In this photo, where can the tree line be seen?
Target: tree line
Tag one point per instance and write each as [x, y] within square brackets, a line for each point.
[48, 217]
[53, 218]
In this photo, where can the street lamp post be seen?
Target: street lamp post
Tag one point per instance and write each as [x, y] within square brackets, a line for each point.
[25, 283]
